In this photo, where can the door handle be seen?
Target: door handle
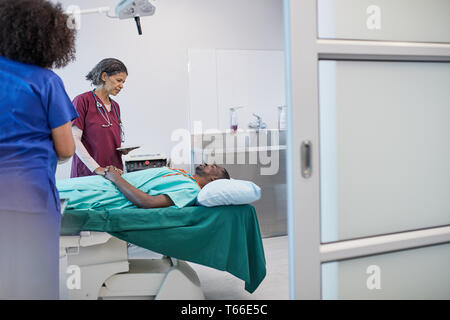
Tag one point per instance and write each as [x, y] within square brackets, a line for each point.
[305, 154]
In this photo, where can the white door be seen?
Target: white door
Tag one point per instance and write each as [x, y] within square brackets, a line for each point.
[368, 148]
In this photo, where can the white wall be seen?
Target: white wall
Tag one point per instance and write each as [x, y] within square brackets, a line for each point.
[155, 100]
[252, 79]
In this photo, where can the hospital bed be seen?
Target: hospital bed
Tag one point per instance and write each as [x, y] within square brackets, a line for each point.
[94, 251]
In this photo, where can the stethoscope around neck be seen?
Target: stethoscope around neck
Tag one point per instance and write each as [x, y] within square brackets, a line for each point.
[105, 116]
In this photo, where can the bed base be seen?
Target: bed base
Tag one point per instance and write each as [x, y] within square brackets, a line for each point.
[95, 265]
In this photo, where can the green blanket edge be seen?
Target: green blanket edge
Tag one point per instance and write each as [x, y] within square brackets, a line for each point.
[225, 238]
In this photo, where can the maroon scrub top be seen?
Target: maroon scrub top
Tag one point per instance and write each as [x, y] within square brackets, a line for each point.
[100, 142]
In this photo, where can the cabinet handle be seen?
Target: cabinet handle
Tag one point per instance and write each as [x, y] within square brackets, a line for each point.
[306, 159]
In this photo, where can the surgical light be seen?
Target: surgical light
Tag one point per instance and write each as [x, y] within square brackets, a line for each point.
[125, 9]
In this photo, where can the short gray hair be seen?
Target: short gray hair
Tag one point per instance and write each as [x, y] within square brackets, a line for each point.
[111, 66]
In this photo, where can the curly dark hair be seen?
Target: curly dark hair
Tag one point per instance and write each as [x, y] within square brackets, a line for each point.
[36, 32]
[111, 66]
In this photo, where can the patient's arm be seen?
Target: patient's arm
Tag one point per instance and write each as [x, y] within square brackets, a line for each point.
[133, 194]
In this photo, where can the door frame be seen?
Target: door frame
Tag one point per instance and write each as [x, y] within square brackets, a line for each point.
[303, 50]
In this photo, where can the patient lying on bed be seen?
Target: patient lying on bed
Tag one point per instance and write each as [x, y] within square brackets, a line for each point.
[151, 188]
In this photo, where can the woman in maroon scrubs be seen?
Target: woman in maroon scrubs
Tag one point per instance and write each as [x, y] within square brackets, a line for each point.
[98, 130]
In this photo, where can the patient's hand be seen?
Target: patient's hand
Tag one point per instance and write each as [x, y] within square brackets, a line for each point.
[102, 171]
[112, 173]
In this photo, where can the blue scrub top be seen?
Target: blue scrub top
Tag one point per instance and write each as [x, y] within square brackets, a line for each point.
[33, 101]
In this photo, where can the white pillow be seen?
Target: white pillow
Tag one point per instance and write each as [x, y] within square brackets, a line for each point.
[225, 192]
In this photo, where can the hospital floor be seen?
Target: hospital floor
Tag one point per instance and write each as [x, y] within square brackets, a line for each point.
[220, 285]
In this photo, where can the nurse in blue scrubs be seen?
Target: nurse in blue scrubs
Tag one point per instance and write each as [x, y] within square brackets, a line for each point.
[35, 133]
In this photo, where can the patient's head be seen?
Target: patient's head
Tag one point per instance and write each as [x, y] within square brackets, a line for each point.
[206, 173]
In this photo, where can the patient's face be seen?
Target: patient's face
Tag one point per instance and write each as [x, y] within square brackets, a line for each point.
[204, 170]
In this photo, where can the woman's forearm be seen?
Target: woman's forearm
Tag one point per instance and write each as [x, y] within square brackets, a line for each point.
[81, 150]
[63, 141]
